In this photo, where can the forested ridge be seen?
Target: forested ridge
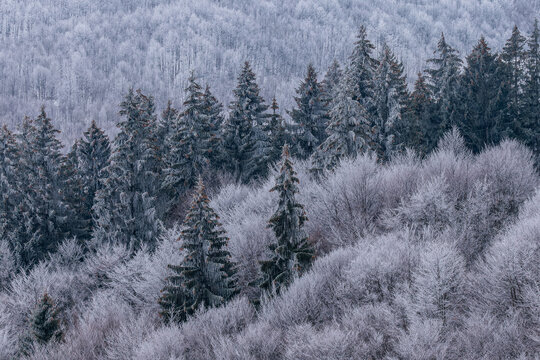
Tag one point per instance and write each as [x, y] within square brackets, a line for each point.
[80, 57]
[367, 220]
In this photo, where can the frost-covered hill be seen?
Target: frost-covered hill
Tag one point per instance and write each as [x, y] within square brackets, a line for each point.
[418, 259]
[79, 57]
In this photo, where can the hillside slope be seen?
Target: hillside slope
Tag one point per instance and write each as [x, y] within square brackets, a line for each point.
[79, 57]
[419, 259]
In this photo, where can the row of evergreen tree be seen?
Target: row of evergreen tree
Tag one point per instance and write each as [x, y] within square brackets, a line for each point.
[123, 192]
[206, 276]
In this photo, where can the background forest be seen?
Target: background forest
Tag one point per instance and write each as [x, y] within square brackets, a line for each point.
[80, 57]
[356, 215]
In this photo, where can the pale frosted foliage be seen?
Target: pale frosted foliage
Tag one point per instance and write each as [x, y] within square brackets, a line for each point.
[7, 345]
[100, 320]
[399, 179]
[259, 341]
[422, 341]
[123, 343]
[416, 259]
[453, 162]
[429, 206]
[7, 263]
[438, 284]
[68, 255]
[379, 268]
[311, 298]
[163, 344]
[485, 337]
[107, 257]
[197, 338]
[509, 172]
[348, 203]
[510, 272]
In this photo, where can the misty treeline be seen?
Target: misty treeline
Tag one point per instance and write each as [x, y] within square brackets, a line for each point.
[373, 222]
[79, 57]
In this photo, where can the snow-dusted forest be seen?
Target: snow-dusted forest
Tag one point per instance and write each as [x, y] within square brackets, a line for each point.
[284, 180]
[78, 57]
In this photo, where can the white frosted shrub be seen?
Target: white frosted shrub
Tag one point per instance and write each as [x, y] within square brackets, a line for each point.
[429, 207]
[349, 202]
[399, 179]
[7, 264]
[163, 344]
[438, 288]
[452, 162]
[423, 340]
[508, 169]
[378, 269]
[311, 298]
[510, 267]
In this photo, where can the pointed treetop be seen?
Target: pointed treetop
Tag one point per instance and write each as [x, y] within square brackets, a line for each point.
[200, 186]
[285, 153]
[275, 106]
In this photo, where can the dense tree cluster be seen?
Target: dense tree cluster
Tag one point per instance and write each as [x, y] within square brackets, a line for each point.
[109, 203]
[80, 57]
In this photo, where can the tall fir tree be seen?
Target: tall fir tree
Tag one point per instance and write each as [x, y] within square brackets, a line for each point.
[419, 125]
[291, 254]
[213, 109]
[245, 140]
[206, 275]
[390, 100]
[165, 128]
[443, 78]
[125, 206]
[188, 157]
[349, 133]
[510, 76]
[478, 122]
[10, 196]
[44, 211]
[277, 132]
[45, 322]
[94, 151]
[359, 75]
[531, 106]
[310, 115]
[80, 219]
[331, 82]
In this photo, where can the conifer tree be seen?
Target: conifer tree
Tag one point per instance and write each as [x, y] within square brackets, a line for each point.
[349, 133]
[419, 128]
[125, 206]
[479, 89]
[80, 219]
[360, 73]
[310, 116]
[245, 141]
[212, 109]
[9, 182]
[166, 126]
[444, 81]
[206, 275]
[277, 132]
[390, 100]
[174, 300]
[291, 254]
[94, 151]
[188, 157]
[331, 82]
[510, 76]
[45, 323]
[532, 92]
[43, 208]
